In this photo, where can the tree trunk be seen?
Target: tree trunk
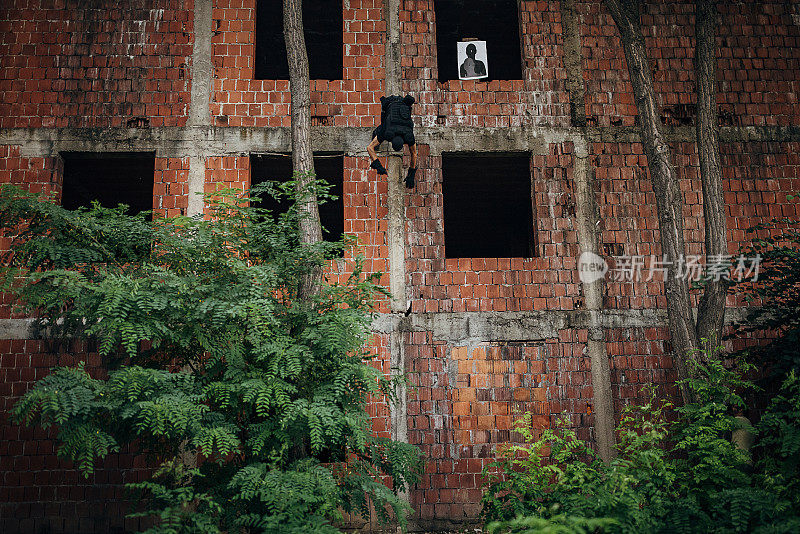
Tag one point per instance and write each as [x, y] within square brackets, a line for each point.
[302, 155]
[669, 201]
[711, 310]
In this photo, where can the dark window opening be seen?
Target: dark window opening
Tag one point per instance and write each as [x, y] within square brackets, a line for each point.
[487, 206]
[322, 21]
[493, 21]
[110, 178]
[329, 167]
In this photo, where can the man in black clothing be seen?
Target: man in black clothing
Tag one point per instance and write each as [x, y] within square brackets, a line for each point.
[398, 128]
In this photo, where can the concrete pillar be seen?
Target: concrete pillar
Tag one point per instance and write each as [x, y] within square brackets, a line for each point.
[587, 222]
[396, 238]
[572, 62]
[396, 232]
[199, 106]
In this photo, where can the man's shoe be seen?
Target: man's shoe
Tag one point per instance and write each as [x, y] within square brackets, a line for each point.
[377, 166]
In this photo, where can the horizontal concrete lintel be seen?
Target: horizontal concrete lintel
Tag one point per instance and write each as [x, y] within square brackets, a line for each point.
[730, 134]
[477, 327]
[221, 141]
[181, 142]
[687, 134]
[469, 139]
[17, 329]
[472, 327]
[631, 134]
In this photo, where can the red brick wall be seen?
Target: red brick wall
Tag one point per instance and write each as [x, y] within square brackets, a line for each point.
[539, 99]
[38, 491]
[73, 63]
[67, 63]
[171, 186]
[38, 175]
[494, 284]
[757, 177]
[758, 60]
[239, 100]
[459, 425]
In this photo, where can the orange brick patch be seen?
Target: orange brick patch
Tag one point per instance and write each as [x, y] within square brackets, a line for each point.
[495, 386]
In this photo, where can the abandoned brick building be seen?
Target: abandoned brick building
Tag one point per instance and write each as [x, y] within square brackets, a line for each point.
[178, 97]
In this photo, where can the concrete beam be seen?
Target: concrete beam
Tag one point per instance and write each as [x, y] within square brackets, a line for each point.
[196, 186]
[473, 327]
[396, 235]
[527, 326]
[166, 142]
[221, 141]
[17, 329]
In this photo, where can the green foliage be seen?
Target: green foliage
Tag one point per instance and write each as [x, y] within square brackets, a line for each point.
[558, 478]
[706, 460]
[777, 242]
[559, 524]
[779, 448]
[176, 503]
[685, 476]
[251, 397]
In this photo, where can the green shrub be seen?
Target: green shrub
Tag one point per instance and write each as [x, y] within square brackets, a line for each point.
[557, 524]
[681, 477]
[559, 476]
[779, 448]
[777, 288]
[250, 398]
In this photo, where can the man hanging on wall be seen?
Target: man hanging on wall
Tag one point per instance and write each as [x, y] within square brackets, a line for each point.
[398, 128]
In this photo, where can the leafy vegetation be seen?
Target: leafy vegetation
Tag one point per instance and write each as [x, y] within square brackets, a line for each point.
[685, 476]
[250, 400]
[777, 242]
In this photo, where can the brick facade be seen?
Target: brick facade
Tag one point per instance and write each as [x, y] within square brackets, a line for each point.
[484, 339]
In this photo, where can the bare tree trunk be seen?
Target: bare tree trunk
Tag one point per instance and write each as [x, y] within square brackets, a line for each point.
[711, 311]
[302, 155]
[669, 201]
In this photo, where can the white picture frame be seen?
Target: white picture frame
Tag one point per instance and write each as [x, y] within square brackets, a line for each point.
[472, 66]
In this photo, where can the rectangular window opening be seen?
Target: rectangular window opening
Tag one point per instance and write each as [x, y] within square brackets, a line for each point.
[493, 21]
[322, 21]
[327, 165]
[488, 210]
[111, 178]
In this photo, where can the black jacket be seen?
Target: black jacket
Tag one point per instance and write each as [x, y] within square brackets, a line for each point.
[396, 115]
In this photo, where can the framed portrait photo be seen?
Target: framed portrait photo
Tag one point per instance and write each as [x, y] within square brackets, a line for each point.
[473, 63]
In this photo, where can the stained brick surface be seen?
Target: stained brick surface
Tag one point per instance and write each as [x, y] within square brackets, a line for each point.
[240, 100]
[496, 284]
[73, 63]
[38, 491]
[758, 59]
[538, 99]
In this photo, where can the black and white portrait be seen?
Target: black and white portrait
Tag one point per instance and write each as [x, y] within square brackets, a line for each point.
[472, 60]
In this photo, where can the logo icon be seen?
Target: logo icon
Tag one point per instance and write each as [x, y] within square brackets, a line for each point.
[591, 267]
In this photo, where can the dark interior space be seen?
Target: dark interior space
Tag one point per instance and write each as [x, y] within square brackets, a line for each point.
[493, 21]
[322, 21]
[110, 178]
[487, 206]
[329, 167]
